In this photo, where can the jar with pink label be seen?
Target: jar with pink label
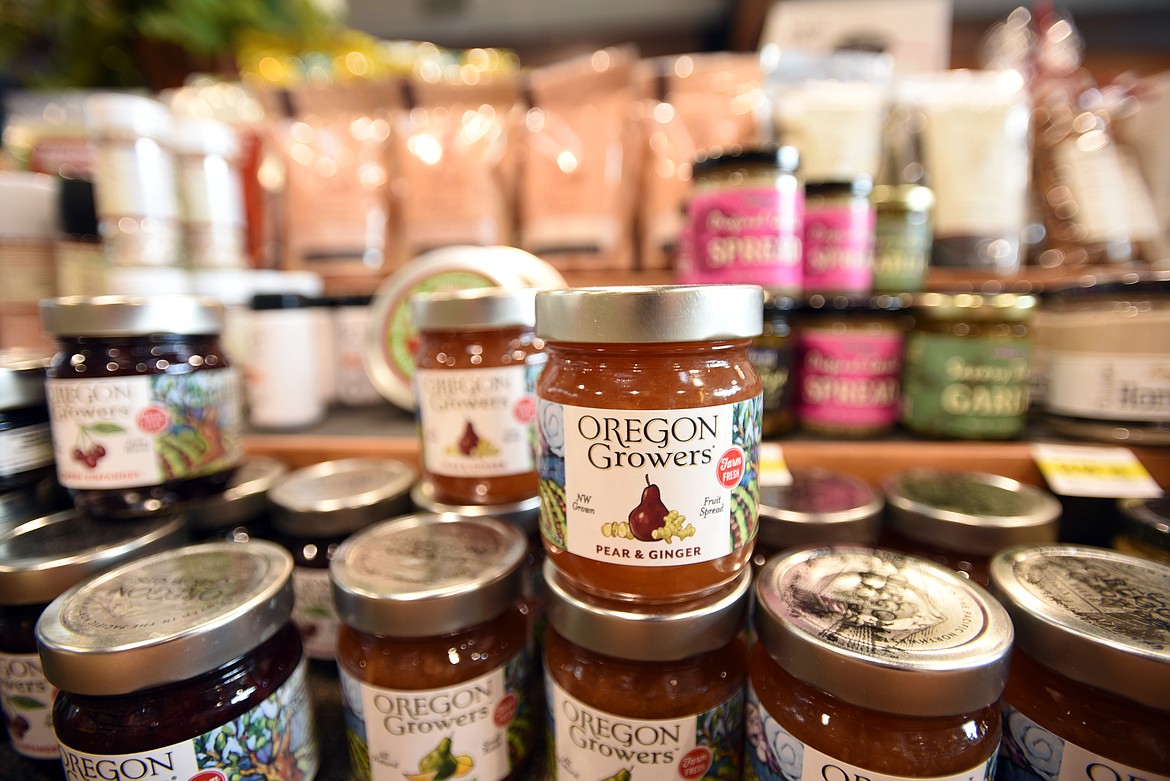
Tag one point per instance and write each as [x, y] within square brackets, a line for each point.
[839, 226]
[744, 220]
[849, 364]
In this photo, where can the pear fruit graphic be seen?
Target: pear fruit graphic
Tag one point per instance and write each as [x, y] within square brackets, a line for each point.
[650, 513]
[622, 775]
[439, 761]
[469, 440]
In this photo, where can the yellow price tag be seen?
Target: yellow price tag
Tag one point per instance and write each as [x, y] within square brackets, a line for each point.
[773, 469]
[1111, 472]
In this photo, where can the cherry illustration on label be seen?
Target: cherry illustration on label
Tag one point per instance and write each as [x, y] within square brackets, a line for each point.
[86, 448]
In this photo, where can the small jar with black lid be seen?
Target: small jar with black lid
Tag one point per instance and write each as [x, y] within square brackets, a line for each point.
[1145, 528]
[1089, 690]
[773, 353]
[240, 513]
[873, 664]
[26, 447]
[434, 649]
[838, 237]
[312, 510]
[145, 408]
[961, 519]
[645, 691]
[39, 559]
[182, 662]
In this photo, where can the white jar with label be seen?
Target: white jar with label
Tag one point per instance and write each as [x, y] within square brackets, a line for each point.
[207, 154]
[284, 384]
[351, 321]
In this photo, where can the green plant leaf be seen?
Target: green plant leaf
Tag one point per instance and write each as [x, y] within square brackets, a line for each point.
[27, 703]
[106, 428]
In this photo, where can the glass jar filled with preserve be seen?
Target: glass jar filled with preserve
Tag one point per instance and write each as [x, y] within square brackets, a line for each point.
[1089, 691]
[145, 410]
[649, 415]
[873, 664]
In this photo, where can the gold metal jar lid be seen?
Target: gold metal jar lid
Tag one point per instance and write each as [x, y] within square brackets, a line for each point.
[1015, 307]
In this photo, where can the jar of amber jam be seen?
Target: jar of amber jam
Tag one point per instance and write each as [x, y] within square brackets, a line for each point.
[39, 559]
[645, 691]
[26, 449]
[1089, 692]
[240, 513]
[475, 372]
[434, 650]
[649, 415]
[961, 519]
[145, 409]
[967, 364]
[873, 662]
[1145, 528]
[312, 510]
[182, 663]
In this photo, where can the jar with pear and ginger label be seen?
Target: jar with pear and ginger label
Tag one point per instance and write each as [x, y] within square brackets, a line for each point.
[1089, 692]
[182, 665]
[648, 419]
[434, 650]
[644, 691]
[873, 664]
[475, 373]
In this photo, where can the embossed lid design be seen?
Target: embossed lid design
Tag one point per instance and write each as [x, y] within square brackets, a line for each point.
[1093, 615]
[883, 630]
[165, 618]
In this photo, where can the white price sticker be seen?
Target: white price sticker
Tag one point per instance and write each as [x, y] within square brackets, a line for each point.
[773, 469]
[1109, 472]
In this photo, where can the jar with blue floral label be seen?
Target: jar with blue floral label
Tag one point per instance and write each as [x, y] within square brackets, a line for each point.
[873, 664]
[648, 417]
[182, 664]
[1089, 692]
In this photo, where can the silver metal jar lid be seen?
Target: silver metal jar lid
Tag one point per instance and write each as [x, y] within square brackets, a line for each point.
[650, 313]
[22, 378]
[42, 557]
[1093, 615]
[244, 498]
[819, 507]
[426, 575]
[525, 513]
[334, 498]
[106, 316]
[972, 512]
[166, 618]
[474, 308]
[883, 630]
[646, 633]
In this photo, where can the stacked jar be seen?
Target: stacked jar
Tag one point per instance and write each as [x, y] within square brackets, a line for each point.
[649, 419]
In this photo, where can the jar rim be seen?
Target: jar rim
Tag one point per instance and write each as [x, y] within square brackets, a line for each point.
[245, 496]
[781, 520]
[785, 158]
[474, 308]
[105, 316]
[332, 498]
[22, 378]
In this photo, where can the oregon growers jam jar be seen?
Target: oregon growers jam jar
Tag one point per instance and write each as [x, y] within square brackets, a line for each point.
[651, 692]
[1089, 691]
[648, 417]
[475, 372]
[182, 665]
[145, 409]
[39, 559]
[26, 449]
[873, 664]
[434, 650]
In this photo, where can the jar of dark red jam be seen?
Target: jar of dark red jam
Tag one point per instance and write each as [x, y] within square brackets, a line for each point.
[313, 509]
[475, 373]
[1089, 691]
[962, 519]
[182, 664]
[240, 513]
[39, 559]
[145, 409]
[26, 448]
[649, 416]
[873, 664]
[434, 649]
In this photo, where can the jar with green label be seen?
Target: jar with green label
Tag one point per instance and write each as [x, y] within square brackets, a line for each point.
[966, 367]
[903, 236]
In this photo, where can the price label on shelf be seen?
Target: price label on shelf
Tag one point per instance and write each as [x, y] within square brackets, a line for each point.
[773, 469]
[1110, 472]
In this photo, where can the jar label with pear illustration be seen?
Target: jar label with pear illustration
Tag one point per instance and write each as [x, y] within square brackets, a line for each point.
[26, 700]
[591, 745]
[121, 432]
[476, 422]
[476, 730]
[650, 487]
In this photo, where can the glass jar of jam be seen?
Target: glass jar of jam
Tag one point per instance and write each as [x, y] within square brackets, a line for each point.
[145, 408]
[434, 649]
[182, 663]
[645, 691]
[1145, 528]
[26, 448]
[312, 510]
[744, 220]
[838, 237]
[240, 513]
[903, 236]
[967, 364]
[39, 559]
[1089, 690]
[873, 662]
[818, 507]
[475, 372]
[649, 415]
[961, 519]
[773, 353]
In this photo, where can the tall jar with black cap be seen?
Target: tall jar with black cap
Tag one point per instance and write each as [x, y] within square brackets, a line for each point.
[26, 448]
